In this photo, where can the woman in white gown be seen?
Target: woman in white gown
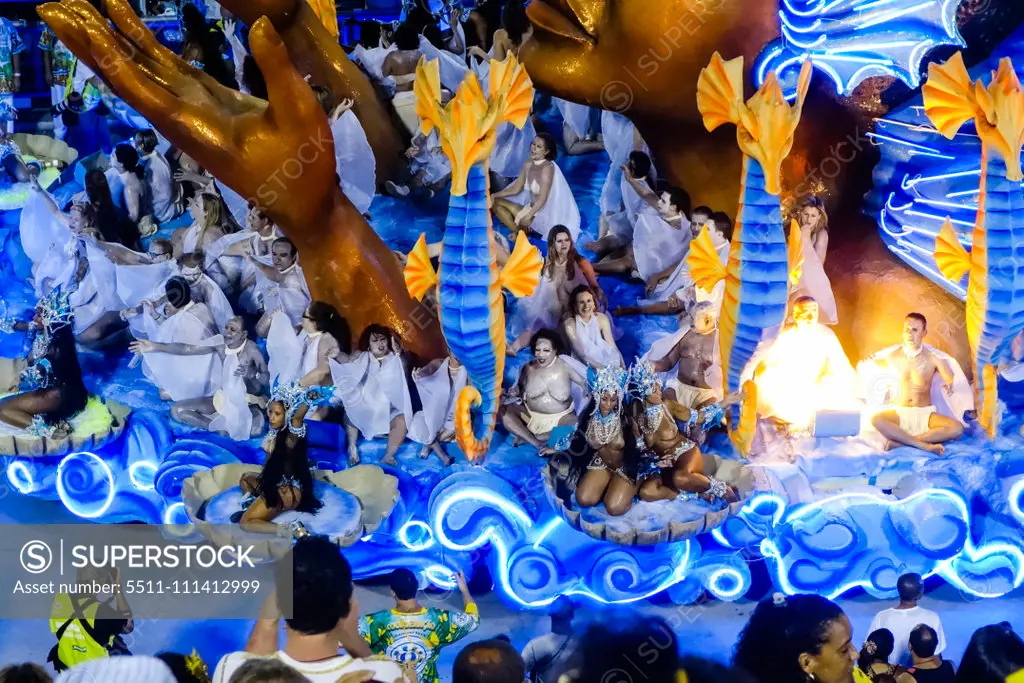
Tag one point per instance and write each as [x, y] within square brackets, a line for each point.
[540, 198]
[305, 357]
[373, 387]
[438, 384]
[620, 137]
[589, 331]
[354, 161]
[813, 280]
[183, 321]
[564, 270]
[635, 177]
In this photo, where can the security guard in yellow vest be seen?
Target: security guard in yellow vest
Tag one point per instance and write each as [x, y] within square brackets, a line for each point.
[85, 626]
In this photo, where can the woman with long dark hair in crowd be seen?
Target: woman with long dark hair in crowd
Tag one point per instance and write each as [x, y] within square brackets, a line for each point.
[51, 387]
[994, 653]
[795, 639]
[285, 483]
[113, 226]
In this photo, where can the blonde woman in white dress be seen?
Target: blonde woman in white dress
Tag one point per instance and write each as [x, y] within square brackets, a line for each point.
[813, 280]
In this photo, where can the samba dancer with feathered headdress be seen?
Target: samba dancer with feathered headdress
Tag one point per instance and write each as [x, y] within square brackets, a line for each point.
[609, 477]
[285, 483]
[675, 464]
[51, 390]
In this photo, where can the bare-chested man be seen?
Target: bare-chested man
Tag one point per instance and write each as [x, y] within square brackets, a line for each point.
[915, 422]
[250, 366]
[678, 464]
[544, 385]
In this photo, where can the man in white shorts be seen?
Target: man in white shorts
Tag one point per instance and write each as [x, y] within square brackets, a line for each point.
[915, 421]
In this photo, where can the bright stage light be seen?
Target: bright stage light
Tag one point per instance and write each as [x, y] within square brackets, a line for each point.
[136, 473]
[20, 477]
[416, 526]
[73, 505]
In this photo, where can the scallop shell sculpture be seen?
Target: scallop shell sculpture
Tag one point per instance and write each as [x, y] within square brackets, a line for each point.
[556, 480]
[40, 446]
[376, 491]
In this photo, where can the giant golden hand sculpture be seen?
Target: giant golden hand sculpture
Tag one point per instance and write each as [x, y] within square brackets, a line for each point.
[279, 153]
[643, 59]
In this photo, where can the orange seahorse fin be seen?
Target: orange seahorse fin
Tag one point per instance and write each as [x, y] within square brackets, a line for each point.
[950, 99]
[464, 437]
[509, 80]
[795, 253]
[706, 268]
[950, 256]
[521, 273]
[419, 273]
[427, 88]
[742, 435]
[720, 92]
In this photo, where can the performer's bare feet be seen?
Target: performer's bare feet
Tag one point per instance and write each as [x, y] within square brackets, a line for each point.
[934, 448]
[389, 460]
[353, 456]
[425, 451]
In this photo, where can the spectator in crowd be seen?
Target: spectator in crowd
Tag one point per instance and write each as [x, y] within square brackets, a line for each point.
[138, 669]
[24, 673]
[929, 666]
[874, 658]
[267, 671]
[324, 615]
[900, 620]
[795, 639]
[488, 661]
[623, 648]
[88, 625]
[994, 653]
[421, 631]
[546, 657]
[186, 668]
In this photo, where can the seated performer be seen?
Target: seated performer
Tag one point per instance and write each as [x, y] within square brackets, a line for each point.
[50, 386]
[607, 479]
[234, 409]
[803, 371]
[306, 357]
[663, 285]
[206, 227]
[159, 179]
[354, 160]
[589, 332]
[202, 287]
[281, 286]
[564, 271]
[373, 387]
[813, 280]
[400, 66]
[137, 200]
[694, 355]
[233, 251]
[578, 131]
[675, 464]
[182, 321]
[915, 421]
[659, 239]
[539, 199]
[545, 389]
[438, 384]
[285, 483]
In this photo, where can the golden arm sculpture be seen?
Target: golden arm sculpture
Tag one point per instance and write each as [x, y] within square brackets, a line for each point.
[642, 59]
[280, 153]
[315, 52]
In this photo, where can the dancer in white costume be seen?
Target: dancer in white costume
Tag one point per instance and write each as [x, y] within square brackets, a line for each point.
[540, 198]
[305, 357]
[564, 270]
[354, 161]
[373, 387]
[206, 227]
[676, 291]
[620, 137]
[256, 241]
[659, 239]
[159, 179]
[438, 384]
[589, 331]
[578, 133]
[235, 407]
[183, 321]
[281, 286]
[813, 280]
[617, 225]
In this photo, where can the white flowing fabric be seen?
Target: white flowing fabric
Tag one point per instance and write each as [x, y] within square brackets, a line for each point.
[452, 68]
[815, 282]
[372, 61]
[657, 245]
[680, 280]
[47, 242]
[664, 345]
[229, 268]
[559, 209]
[512, 148]
[356, 165]
[622, 223]
[437, 394]
[292, 356]
[209, 292]
[617, 132]
[576, 116]
[184, 378]
[373, 392]
[238, 207]
[291, 295]
[231, 401]
[542, 308]
[161, 186]
[594, 346]
[135, 283]
[872, 381]
[94, 296]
